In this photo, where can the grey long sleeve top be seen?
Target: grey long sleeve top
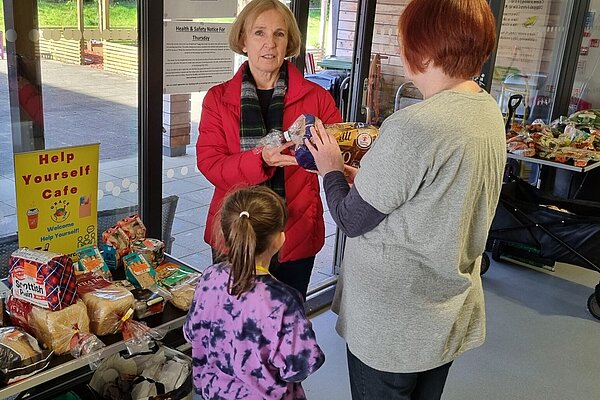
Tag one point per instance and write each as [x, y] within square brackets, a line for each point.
[351, 213]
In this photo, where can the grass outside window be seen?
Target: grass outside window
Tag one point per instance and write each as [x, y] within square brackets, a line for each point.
[123, 14]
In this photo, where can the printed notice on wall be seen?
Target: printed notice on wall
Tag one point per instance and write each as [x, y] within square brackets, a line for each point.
[189, 9]
[57, 192]
[523, 36]
[196, 56]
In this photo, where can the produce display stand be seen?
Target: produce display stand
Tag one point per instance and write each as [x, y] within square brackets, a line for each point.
[65, 372]
[555, 164]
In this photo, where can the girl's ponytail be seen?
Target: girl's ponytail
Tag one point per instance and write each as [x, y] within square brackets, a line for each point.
[242, 252]
[250, 218]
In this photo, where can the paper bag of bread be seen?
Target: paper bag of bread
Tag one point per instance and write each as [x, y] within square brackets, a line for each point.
[354, 139]
[42, 278]
[153, 250]
[106, 303]
[118, 240]
[139, 271]
[53, 328]
[20, 355]
[133, 227]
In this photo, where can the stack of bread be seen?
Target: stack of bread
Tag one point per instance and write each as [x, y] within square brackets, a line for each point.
[44, 298]
[65, 301]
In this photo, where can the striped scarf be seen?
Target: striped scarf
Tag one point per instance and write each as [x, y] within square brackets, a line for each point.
[252, 125]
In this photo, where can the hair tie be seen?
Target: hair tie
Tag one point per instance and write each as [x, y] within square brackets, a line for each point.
[245, 213]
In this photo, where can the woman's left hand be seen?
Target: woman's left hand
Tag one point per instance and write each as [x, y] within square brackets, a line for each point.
[326, 153]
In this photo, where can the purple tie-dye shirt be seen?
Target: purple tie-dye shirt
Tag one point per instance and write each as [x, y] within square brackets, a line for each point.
[260, 346]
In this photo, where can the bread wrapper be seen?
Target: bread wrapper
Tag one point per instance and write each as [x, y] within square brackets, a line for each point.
[133, 227]
[354, 139]
[183, 292]
[42, 278]
[106, 303]
[139, 271]
[153, 250]
[53, 328]
[181, 283]
[89, 259]
[20, 355]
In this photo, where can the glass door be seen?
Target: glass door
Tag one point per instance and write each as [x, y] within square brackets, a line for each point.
[531, 49]
[69, 76]
[181, 119]
[586, 88]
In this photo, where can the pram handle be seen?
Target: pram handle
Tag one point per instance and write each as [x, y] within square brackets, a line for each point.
[513, 103]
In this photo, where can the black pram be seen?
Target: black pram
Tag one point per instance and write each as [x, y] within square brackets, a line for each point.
[541, 229]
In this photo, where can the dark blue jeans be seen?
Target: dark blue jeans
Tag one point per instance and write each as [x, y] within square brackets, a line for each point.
[367, 383]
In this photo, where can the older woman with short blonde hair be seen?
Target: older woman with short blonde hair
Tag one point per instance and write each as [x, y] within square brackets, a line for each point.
[266, 93]
[247, 16]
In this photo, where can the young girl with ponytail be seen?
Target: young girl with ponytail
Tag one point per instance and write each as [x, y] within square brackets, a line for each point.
[249, 333]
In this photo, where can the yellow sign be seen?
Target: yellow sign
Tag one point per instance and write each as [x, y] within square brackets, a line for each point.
[57, 193]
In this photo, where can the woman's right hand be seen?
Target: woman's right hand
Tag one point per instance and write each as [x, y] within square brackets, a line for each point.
[350, 173]
[273, 157]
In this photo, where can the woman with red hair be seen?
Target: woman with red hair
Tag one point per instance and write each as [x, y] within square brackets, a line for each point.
[409, 296]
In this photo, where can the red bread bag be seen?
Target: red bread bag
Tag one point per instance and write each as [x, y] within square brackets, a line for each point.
[42, 278]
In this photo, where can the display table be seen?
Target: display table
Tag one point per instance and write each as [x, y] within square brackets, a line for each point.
[541, 161]
[65, 371]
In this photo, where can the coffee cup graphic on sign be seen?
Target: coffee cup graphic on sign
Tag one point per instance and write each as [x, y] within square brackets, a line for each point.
[32, 218]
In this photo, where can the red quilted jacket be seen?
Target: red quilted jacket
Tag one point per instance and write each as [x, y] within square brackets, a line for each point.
[220, 160]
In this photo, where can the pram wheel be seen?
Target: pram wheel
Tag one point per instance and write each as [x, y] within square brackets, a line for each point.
[496, 250]
[593, 306]
[485, 263]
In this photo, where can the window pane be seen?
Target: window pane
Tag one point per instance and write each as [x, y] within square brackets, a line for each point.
[81, 86]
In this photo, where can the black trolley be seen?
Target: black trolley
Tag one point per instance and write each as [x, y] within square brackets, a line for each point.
[540, 229]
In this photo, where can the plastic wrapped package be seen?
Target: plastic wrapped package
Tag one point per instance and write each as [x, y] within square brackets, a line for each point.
[183, 292]
[149, 301]
[42, 278]
[53, 328]
[139, 337]
[139, 271]
[165, 269]
[89, 259]
[181, 283]
[354, 139]
[153, 250]
[20, 355]
[163, 373]
[86, 344]
[106, 303]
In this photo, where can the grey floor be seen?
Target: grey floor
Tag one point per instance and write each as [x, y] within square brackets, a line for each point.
[541, 342]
